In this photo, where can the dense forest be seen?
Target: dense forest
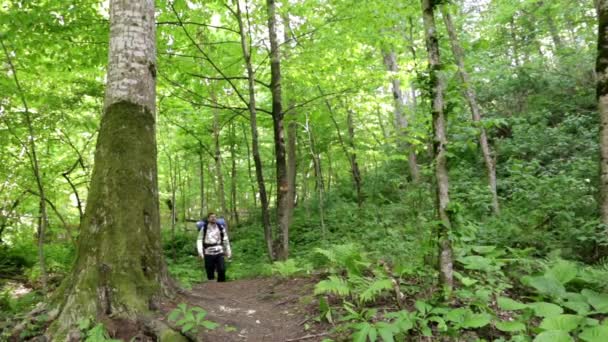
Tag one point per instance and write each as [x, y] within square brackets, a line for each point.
[389, 170]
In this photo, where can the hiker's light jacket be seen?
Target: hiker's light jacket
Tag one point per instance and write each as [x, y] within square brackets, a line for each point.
[212, 241]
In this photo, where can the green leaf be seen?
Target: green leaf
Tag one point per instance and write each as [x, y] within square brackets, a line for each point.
[562, 322]
[510, 326]
[483, 249]
[423, 307]
[209, 325]
[509, 304]
[546, 285]
[599, 301]
[387, 331]
[362, 329]
[580, 308]
[476, 320]
[476, 262]
[174, 315]
[563, 271]
[187, 327]
[544, 309]
[333, 284]
[595, 334]
[553, 336]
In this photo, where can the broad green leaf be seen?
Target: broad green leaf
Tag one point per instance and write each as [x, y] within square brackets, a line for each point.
[476, 262]
[209, 325]
[599, 301]
[474, 320]
[595, 334]
[422, 307]
[580, 308]
[546, 285]
[187, 327]
[544, 309]
[563, 271]
[509, 304]
[553, 336]
[483, 249]
[174, 315]
[565, 323]
[510, 326]
[387, 331]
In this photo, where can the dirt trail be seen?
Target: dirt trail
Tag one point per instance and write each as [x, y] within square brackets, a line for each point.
[256, 310]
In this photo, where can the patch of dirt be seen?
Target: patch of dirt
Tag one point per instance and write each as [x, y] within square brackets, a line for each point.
[256, 310]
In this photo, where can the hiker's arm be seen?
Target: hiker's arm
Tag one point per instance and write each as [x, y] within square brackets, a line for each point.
[199, 243]
[226, 244]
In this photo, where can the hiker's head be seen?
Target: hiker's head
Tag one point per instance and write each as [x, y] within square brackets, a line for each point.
[211, 217]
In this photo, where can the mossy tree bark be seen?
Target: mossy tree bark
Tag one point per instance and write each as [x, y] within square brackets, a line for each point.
[437, 84]
[119, 269]
[602, 99]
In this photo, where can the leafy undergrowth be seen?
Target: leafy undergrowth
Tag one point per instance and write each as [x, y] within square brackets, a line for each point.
[502, 294]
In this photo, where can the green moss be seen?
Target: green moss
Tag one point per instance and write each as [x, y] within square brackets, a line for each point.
[172, 336]
[119, 259]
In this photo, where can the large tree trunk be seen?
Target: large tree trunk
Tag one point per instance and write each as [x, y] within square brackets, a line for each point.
[437, 84]
[119, 269]
[255, 145]
[279, 135]
[471, 97]
[602, 98]
[390, 61]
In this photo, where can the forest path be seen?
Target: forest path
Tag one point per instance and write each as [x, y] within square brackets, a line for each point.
[256, 310]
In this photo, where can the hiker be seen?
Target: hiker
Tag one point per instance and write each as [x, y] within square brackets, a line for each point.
[212, 245]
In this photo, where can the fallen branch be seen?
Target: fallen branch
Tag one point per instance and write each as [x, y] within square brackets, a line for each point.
[307, 337]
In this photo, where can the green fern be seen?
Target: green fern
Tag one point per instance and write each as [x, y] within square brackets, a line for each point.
[333, 285]
[374, 288]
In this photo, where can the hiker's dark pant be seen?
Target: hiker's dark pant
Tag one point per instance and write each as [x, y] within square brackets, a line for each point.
[215, 263]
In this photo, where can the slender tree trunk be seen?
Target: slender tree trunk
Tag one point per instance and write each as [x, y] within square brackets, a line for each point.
[172, 181]
[602, 98]
[201, 177]
[292, 131]
[401, 123]
[437, 84]
[233, 178]
[319, 178]
[353, 157]
[218, 159]
[119, 270]
[30, 147]
[469, 93]
[279, 135]
[292, 165]
[251, 179]
[381, 124]
[245, 46]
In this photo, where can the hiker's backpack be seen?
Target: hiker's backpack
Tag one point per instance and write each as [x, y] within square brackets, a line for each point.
[221, 224]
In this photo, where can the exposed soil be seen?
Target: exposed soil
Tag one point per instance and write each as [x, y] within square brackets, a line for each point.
[256, 310]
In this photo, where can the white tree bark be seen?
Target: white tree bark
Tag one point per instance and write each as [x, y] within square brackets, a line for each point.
[132, 55]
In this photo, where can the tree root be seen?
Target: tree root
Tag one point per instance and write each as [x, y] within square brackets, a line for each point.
[164, 332]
